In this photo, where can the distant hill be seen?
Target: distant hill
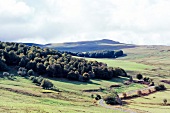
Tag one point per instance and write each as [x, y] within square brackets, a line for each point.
[84, 46]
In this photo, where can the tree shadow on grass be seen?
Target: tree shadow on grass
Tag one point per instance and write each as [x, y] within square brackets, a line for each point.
[73, 82]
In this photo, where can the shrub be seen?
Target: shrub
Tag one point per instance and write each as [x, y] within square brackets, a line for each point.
[3, 66]
[41, 69]
[124, 95]
[35, 80]
[86, 77]
[139, 92]
[73, 75]
[139, 76]
[111, 99]
[22, 71]
[32, 77]
[30, 72]
[165, 101]
[146, 79]
[39, 79]
[160, 87]
[6, 74]
[46, 84]
[152, 84]
[92, 96]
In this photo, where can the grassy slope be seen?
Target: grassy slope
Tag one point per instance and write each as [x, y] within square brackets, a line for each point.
[152, 61]
[146, 60]
[19, 102]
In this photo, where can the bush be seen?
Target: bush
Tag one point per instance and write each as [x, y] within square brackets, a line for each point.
[22, 71]
[73, 75]
[32, 77]
[3, 66]
[41, 69]
[35, 80]
[6, 74]
[160, 87]
[124, 95]
[30, 72]
[165, 101]
[46, 84]
[146, 79]
[139, 76]
[111, 99]
[86, 77]
[139, 92]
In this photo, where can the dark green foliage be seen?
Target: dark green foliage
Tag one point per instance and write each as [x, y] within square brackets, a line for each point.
[118, 53]
[37, 80]
[24, 60]
[46, 84]
[41, 69]
[119, 72]
[165, 101]
[99, 54]
[111, 99]
[73, 75]
[55, 70]
[3, 66]
[45, 61]
[30, 72]
[139, 76]
[98, 97]
[85, 77]
[11, 58]
[146, 79]
[32, 78]
[160, 87]
[31, 65]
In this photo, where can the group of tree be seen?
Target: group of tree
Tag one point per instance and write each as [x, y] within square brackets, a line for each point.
[99, 54]
[53, 63]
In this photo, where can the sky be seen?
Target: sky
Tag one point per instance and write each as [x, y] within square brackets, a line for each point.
[55, 21]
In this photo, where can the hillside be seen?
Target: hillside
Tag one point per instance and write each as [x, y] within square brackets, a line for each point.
[84, 46]
[77, 82]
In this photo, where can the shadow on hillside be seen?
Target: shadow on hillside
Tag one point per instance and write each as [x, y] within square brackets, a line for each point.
[88, 48]
[116, 79]
[73, 82]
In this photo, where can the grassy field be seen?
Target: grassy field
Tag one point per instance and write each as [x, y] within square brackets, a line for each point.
[15, 97]
[127, 65]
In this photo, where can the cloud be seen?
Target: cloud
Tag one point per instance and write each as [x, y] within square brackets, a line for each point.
[49, 21]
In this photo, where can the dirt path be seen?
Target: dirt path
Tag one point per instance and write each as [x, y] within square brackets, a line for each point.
[102, 103]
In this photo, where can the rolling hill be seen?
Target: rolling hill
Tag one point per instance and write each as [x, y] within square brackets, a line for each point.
[84, 46]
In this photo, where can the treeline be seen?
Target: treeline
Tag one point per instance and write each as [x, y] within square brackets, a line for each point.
[52, 63]
[98, 54]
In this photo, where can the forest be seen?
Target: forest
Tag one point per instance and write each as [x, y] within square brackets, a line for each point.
[52, 63]
[98, 54]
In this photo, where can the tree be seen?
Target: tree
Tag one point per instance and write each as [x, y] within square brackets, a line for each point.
[41, 68]
[165, 101]
[139, 76]
[55, 70]
[31, 65]
[112, 99]
[3, 66]
[46, 84]
[73, 75]
[30, 72]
